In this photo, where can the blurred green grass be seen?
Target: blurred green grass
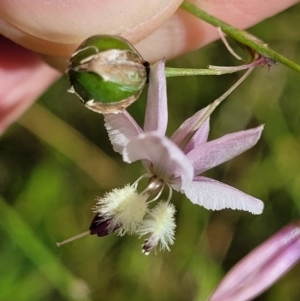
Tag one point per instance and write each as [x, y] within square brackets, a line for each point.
[57, 159]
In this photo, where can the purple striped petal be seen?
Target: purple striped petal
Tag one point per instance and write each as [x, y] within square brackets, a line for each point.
[156, 117]
[215, 152]
[214, 195]
[165, 159]
[200, 136]
[121, 127]
[262, 267]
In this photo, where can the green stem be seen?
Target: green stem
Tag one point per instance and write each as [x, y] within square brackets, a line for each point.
[171, 72]
[240, 35]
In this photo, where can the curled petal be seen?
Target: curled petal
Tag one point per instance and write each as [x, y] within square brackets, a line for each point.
[262, 267]
[200, 136]
[121, 127]
[165, 159]
[156, 117]
[215, 152]
[214, 195]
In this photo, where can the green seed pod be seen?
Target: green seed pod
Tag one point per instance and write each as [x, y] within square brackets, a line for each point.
[107, 73]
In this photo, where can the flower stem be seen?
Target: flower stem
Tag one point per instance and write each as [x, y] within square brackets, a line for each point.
[212, 70]
[240, 35]
[172, 72]
[212, 107]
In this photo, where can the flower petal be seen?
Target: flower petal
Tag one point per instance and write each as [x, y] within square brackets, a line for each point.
[215, 195]
[165, 159]
[262, 267]
[200, 136]
[121, 127]
[215, 152]
[156, 117]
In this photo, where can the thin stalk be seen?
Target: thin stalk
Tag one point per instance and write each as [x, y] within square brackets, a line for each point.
[172, 72]
[212, 107]
[239, 35]
[73, 238]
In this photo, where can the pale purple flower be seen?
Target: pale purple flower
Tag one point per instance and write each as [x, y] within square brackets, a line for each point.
[176, 162]
[262, 267]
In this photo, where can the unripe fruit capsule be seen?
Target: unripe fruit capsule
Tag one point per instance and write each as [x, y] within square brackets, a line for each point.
[107, 73]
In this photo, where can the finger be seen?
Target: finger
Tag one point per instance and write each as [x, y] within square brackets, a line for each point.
[23, 78]
[176, 35]
[56, 27]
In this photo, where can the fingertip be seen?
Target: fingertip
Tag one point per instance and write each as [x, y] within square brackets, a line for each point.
[57, 29]
[24, 76]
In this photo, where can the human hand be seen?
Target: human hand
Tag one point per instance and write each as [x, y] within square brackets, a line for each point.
[55, 28]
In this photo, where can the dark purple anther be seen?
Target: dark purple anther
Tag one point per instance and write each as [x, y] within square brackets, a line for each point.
[101, 227]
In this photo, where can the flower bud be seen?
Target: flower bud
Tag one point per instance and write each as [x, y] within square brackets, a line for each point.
[107, 73]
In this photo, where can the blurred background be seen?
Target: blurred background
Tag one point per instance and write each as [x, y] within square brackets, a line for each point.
[57, 159]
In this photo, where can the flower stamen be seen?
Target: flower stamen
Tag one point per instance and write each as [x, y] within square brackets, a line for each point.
[122, 209]
[73, 238]
[159, 225]
[170, 193]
